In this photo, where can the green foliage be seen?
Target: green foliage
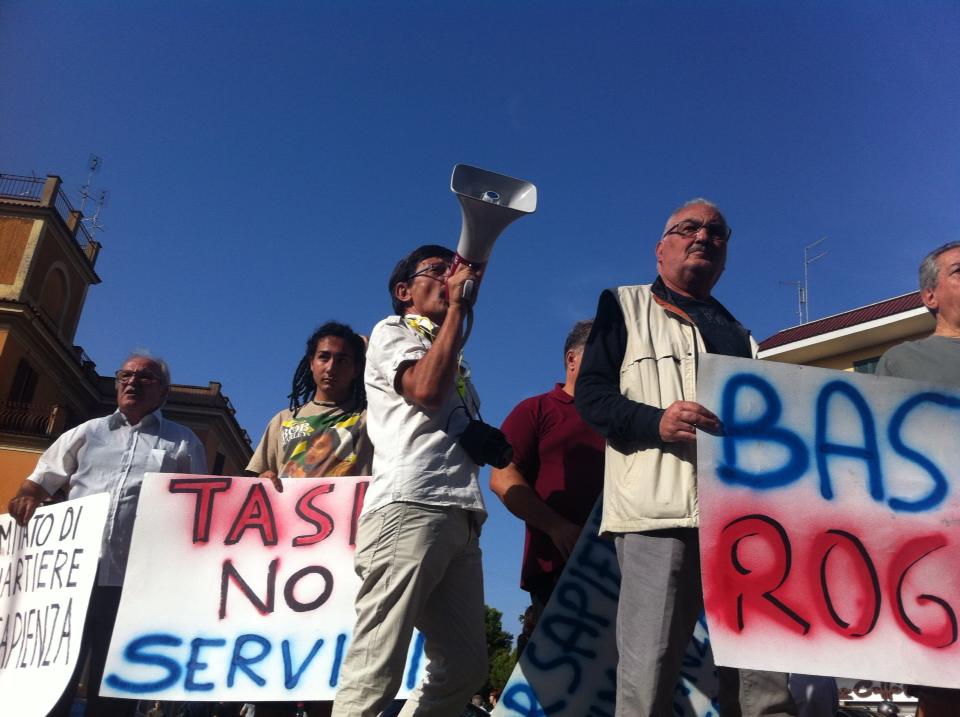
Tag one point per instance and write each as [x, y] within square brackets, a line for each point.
[500, 650]
[497, 638]
[501, 665]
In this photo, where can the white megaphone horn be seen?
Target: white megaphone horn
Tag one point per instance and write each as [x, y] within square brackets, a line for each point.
[488, 202]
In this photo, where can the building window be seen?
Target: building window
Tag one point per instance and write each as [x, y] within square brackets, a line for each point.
[24, 383]
[866, 365]
[218, 464]
[55, 295]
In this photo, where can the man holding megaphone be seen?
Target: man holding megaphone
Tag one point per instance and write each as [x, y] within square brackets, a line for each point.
[418, 552]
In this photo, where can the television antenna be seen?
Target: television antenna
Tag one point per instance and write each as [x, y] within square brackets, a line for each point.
[93, 166]
[94, 221]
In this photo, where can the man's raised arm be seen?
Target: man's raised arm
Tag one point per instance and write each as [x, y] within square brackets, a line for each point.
[427, 381]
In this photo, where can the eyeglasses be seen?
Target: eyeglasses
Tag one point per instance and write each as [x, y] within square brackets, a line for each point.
[147, 377]
[436, 271]
[689, 228]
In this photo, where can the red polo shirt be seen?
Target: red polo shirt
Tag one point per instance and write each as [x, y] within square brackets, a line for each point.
[561, 458]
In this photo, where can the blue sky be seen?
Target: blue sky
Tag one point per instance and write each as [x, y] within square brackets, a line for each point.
[268, 164]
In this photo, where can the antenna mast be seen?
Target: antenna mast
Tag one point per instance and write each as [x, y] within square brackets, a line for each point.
[93, 166]
[94, 221]
[805, 291]
[799, 286]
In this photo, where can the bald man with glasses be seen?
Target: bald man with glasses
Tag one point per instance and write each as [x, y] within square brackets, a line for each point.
[644, 344]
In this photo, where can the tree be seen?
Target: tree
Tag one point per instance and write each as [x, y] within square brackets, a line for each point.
[501, 667]
[497, 637]
[500, 650]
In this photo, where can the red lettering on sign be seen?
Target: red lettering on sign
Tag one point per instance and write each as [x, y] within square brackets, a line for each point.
[206, 489]
[863, 578]
[321, 520]
[257, 513]
[749, 574]
[752, 586]
[909, 554]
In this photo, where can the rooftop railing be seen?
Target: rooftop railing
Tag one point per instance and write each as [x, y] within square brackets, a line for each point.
[44, 192]
[23, 188]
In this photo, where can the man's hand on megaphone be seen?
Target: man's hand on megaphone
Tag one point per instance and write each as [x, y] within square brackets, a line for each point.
[464, 273]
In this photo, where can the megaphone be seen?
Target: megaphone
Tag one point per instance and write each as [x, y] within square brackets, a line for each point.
[488, 203]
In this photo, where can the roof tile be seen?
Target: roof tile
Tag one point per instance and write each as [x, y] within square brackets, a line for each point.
[880, 310]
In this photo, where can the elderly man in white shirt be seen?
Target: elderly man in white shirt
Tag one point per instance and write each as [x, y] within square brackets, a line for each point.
[111, 455]
[418, 552]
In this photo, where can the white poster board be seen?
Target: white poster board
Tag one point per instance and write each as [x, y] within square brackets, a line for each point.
[830, 522]
[569, 666]
[235, 592]
[47, 569]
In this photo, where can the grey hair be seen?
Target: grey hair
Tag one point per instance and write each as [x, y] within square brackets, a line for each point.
[928, 267]
[577, 338]
[697, 202]
[144, 354]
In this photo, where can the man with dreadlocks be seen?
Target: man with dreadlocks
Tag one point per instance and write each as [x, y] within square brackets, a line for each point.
[418, 553]
[324, 430]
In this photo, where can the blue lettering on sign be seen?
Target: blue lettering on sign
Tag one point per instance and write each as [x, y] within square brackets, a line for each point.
[136, 653]
[520, 698]
[194, 665]
[765, 428]
[868, 452]
[291, 678]
[338, 659]
[608, 695]
[415, 661]
[938, 492]
[242, 662]
[248, 656]
[568, 654]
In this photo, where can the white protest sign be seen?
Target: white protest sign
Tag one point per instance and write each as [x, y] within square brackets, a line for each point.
[569, 666]
[47, 569]
[235, 592]
[830, 522]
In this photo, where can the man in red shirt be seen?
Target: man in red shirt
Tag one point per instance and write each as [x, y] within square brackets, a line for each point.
[555, 477]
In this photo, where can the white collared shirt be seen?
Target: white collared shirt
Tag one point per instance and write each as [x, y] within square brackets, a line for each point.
[108, 455]
[416, 455]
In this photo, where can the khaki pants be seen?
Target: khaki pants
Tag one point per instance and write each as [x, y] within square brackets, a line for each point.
[420, 566]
